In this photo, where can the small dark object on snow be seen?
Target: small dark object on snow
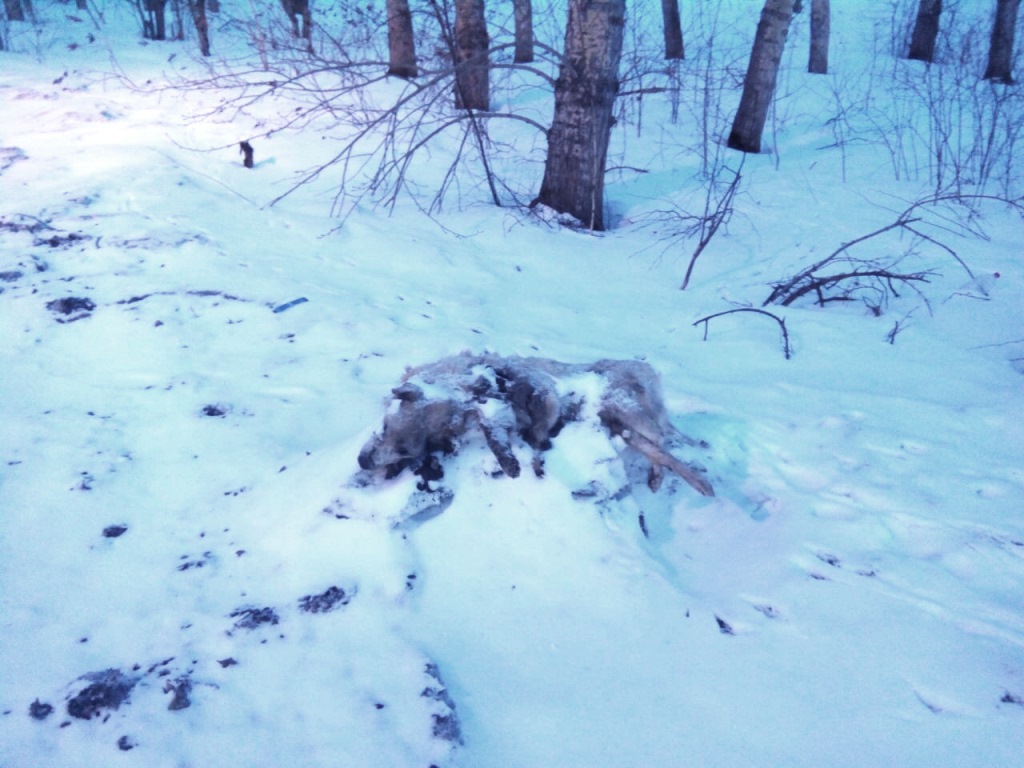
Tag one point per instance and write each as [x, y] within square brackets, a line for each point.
[70, 305]
[125, 743]
[1009, 698]
[113, 531]
[108, 690]
[290, 304]
[215, 410]
[724, 626]
[246, 149]
[334, 597]
[228, 662]
[39, 710]
[180, 687]
[251, 618]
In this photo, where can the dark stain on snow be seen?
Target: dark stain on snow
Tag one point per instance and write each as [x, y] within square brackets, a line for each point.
[198, 562]
[113, 531]
[724, 627]
[251, 618]
[61, 241]
[107, 690]
[332, 599]
[39, 710]
[1010, 698]
[72, 307]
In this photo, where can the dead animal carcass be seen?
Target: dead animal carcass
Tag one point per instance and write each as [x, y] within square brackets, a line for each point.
[507, 399]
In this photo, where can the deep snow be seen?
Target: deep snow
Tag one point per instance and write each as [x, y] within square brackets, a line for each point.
[174, 460]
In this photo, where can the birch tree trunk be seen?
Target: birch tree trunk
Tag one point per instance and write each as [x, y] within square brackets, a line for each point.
[762, 72]
[1000, 52]
[472, 75]
[401, 42]
[673, 30]
[817, 63]
[584, 95]
[523, 10]
[926, 31]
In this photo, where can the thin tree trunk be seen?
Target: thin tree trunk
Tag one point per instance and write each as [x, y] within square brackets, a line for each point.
[817, 63]
[762, 72]
[177, 20]
[160, 19]
[472, 75]
[198, 9]
[1000, 52]
[523, 10]
[584, 96]
[926, 31]
[401, 42]
[673, 30]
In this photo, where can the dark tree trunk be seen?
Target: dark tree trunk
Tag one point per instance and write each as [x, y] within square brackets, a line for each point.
[523, 10]
[762, 72]
[1000, 52]
[300, 17]
[673, 30]
[154, 22]
[584, 95]
[817, 63]
[472, 75]
[926, 31]
[401, 42]
[198, 9]
[15, 10]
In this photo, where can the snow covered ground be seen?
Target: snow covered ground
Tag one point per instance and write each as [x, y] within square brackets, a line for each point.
[188, 579]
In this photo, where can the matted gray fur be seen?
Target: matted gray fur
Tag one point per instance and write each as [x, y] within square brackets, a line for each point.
[510, 398]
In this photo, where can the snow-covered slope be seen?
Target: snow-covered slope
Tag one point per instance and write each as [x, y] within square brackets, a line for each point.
[187, 578]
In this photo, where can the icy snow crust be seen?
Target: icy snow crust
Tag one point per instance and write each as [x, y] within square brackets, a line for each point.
[189, 578]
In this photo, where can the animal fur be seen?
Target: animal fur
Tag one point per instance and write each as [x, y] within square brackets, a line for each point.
[438, 403]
